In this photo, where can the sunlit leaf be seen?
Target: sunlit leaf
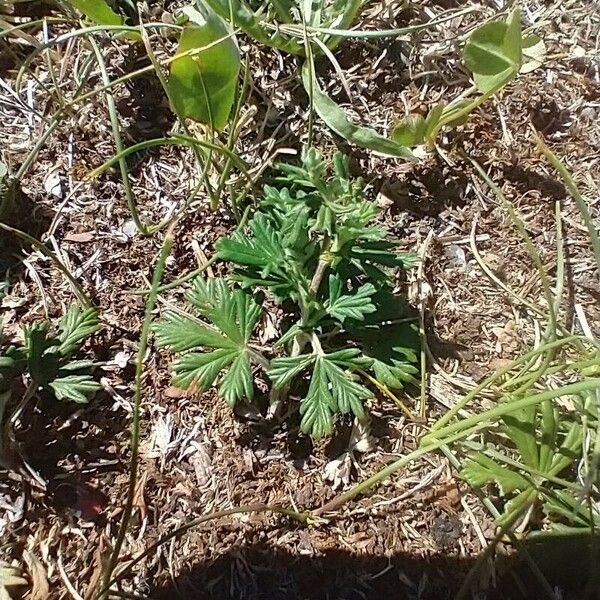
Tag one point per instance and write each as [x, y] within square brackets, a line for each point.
[75, 326]
[534, 52]
[98, 11]
[203, 84]
[480, 470]
[337, 120]
[232, 315]
[494, 52]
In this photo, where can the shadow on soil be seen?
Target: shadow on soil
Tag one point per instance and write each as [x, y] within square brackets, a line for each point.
[258, 573]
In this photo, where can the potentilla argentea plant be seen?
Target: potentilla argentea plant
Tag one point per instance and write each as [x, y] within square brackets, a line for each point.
[314, 249]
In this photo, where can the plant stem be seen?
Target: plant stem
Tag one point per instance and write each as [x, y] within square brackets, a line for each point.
[452, 433]
[202, 168]
[581, 202]
[77, 289]
[384, 473]
[137, 400]
[115, 125]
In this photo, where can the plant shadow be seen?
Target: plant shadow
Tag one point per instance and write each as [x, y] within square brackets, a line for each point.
[260, 573]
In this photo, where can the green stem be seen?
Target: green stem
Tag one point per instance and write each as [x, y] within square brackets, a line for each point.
[581, 202]
[172, 140]
[137, 401]
[384, 473]
[116, 132]
[514, 405]
[497, 375]
[452, 433]
[211, 261]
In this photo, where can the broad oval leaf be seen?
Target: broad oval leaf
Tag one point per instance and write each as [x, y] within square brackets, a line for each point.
[98, 11]
[494, 52]
[534, 51]
[410, 131]
[203, 83]
[337, 120]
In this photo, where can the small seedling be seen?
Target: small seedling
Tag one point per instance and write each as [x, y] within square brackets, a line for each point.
[313, 250]
[495, 53]
[48, 358]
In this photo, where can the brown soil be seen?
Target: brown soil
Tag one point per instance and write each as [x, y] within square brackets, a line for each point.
[416, 535]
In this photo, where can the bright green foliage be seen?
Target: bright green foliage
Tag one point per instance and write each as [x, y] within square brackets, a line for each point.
[278, 23]
[98, 11]
[312, 246]
[495, 53]
[203, 84]
[338, 121]
[544, 445]
[49, 357]
[231, 315]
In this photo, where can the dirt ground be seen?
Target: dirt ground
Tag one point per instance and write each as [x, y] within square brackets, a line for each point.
[417, 534]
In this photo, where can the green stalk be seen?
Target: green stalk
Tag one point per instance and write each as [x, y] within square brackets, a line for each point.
[137, 401]
[497, 375]
[581, 202]
[116, 132]
[447, 435]
[202, 168]
[384, 473]
[514, 405]
[173, 140]
[181, 280]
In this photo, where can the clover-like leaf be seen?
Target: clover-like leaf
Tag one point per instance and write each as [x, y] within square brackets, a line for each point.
[231, 316]
[494, 52]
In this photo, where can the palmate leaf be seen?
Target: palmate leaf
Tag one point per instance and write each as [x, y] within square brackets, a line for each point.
[182, 332]
[74, 387]
[75, 326]
[232, 314]
[479, 470]
[331, 389]
[262, 250]
[349, 306]
[394, 374]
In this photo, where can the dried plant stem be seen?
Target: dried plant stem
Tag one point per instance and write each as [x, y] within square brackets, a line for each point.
[77, 289]
[249, 508]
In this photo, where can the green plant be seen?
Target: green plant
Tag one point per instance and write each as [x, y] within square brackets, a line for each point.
[495, 53]
[308, 30]
[545, 442]
[47, 357]
[312, 249]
